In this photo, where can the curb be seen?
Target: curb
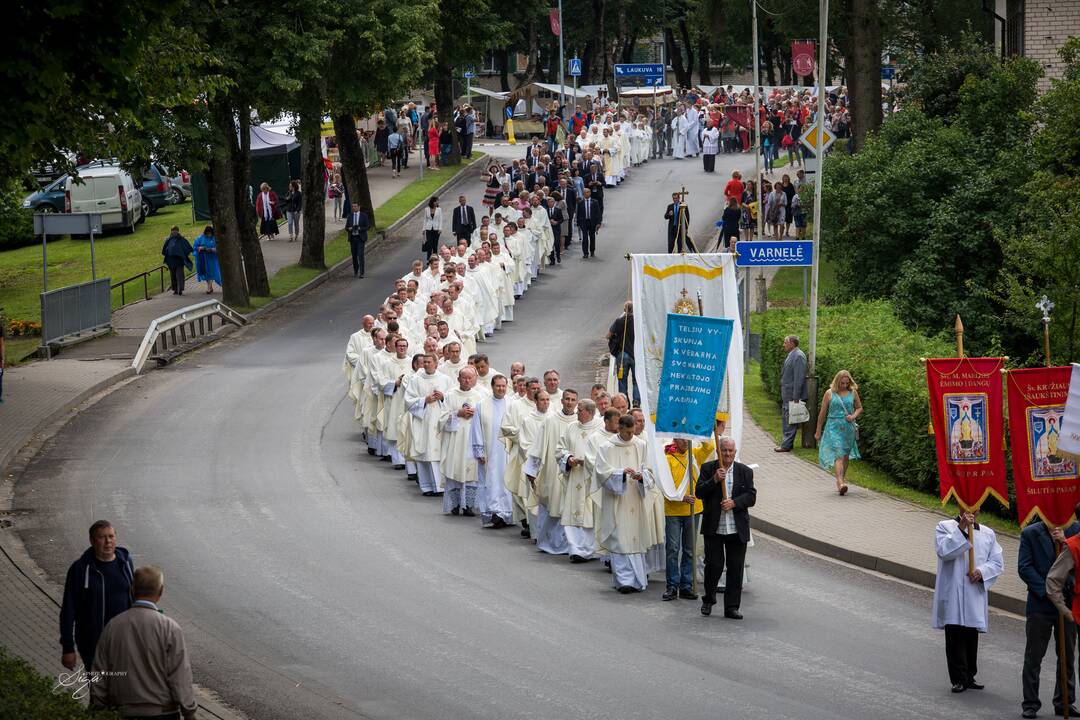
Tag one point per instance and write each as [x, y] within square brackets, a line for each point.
[381, 238]
[894, 569]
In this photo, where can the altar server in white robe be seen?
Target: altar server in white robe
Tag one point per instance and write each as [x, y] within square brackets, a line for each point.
[577, 459]
[623, 528]
[425, 398]
[693, 127]
[458, 465]
[542, 469]
[960, 596]
[679, 127]
[395, 408]
[494, 501]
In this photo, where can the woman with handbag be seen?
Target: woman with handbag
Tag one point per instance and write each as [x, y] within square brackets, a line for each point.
[839, 442]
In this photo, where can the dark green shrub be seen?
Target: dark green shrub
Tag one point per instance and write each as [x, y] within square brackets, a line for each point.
[25, 694]
[16, 223]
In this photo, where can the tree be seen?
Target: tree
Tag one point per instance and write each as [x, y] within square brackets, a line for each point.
[383, 48]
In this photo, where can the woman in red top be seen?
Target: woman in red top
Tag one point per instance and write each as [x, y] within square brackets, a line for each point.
[433, 144]
[735, 187]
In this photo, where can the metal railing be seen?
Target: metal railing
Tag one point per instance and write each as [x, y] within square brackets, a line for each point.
[182, 326]
[161, 270]
[74, 309]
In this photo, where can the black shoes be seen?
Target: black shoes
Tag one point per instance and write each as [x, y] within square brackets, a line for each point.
[626, 590]
[959, 687]
[497, 522]
[578, 559]
[526, 534]
[733, 615]
[1031, 712]
[669, 594]
[1073, 712]
[706, 609]
[370, 451]
[428, 493]
[467, 512]
[972, 685]
[413, 476]
[455, 511]
[687, 594]
[384, 458]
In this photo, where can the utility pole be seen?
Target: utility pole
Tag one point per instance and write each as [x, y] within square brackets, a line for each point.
[562, 68]
[761, 299]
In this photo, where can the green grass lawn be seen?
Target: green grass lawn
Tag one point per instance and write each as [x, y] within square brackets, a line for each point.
[117, 256]
[766, 413]
[786, 288]
[289, 278]
[120, 256]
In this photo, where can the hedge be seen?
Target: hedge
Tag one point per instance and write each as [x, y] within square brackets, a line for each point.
[882, 355]
[25, 694]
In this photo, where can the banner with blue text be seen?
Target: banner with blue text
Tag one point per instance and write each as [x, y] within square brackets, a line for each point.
[695, 357]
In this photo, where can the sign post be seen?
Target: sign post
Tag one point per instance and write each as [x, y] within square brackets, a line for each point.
[46, 224]
[575, 72]
[469, 75]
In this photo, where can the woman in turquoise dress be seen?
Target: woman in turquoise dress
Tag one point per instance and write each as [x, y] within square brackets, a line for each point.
[838, 444]
[207, 267]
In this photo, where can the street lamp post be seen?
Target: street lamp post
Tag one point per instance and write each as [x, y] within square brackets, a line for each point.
[562, 66]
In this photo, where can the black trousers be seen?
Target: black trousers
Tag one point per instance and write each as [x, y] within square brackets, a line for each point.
[709, 162]
[176, 279]
[556, 253]
[675, 244]
[572, 212]
[1038, 630]
[466, 144]
[431, 243]
[961, 653]
[721, 550]
[467, 238]
[588, 240]
[356, 245]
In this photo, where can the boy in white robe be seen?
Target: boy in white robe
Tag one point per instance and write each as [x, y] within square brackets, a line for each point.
[493, 499]
[961, 596]
[458, 464]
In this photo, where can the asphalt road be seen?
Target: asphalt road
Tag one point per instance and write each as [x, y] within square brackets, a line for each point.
[315, 583]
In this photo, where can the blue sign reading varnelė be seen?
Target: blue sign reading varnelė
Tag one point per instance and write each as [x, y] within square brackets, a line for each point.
[774, 253]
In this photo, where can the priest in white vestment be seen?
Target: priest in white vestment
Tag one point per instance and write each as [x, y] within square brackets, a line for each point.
[494, 501]
[693, 127]
[357, 341]
[395, 408]
[577, 458]
[679, 127]
[542, 469]
[625, 485]
[518, 431]
[960, 595]
[425, 399]
[453, 363]
[458, 465]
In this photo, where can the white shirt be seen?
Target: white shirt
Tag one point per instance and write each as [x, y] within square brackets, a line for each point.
[727, 517]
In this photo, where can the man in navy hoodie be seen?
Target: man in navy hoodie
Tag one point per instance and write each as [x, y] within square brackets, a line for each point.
[97, 589]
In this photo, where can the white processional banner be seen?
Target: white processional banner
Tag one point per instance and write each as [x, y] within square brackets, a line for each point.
[690, 284]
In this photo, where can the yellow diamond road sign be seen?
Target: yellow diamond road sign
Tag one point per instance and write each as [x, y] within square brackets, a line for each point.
[811, 141]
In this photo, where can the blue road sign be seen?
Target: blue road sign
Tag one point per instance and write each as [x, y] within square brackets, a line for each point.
[575, 67]
[774, 253]
[639, 74]
[888, 72]
[469, 74]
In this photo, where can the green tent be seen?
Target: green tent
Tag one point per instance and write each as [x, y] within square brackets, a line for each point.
[275, 159]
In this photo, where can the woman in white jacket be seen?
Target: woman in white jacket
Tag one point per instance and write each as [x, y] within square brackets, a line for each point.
[432, 227]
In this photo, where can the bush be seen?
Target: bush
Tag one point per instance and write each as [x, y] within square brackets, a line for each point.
[868, 340]
[16, 222]
[25, 694]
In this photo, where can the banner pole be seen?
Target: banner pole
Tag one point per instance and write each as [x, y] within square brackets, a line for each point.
[958, 328]
[693, 525]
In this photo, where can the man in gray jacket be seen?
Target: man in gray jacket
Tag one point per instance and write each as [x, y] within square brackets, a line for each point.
[792, 387]
[141, 658]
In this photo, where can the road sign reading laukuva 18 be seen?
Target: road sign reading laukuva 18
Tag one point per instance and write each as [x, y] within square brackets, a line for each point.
[639, 75]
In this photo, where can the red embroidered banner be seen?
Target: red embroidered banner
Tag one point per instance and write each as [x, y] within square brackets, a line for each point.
[1047, 482]
[967, 410]
[556, 26]
[802, 57]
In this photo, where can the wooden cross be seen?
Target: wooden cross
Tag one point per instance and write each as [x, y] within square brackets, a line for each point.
[684, 193]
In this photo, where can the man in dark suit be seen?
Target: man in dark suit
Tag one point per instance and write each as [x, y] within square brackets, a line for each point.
[356, 227]
[464, 220]
[555, 216]
[1038, 549]
[727, 492]
[589, 218]
[677, 213]
[792, 388]
[569, 193]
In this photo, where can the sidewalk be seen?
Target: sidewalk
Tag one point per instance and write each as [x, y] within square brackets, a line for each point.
[40, 396]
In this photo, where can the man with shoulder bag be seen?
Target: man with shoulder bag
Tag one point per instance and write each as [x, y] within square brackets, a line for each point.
[793, 410]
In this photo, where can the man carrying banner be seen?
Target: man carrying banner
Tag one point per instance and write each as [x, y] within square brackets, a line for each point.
[1038, 548]
[960, 594]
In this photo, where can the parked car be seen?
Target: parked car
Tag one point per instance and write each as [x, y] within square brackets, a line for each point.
[49, 199]
[156, 188]
[179, 187]
[107, 190]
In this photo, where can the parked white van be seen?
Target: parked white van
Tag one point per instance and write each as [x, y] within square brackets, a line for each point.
[109, 191]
